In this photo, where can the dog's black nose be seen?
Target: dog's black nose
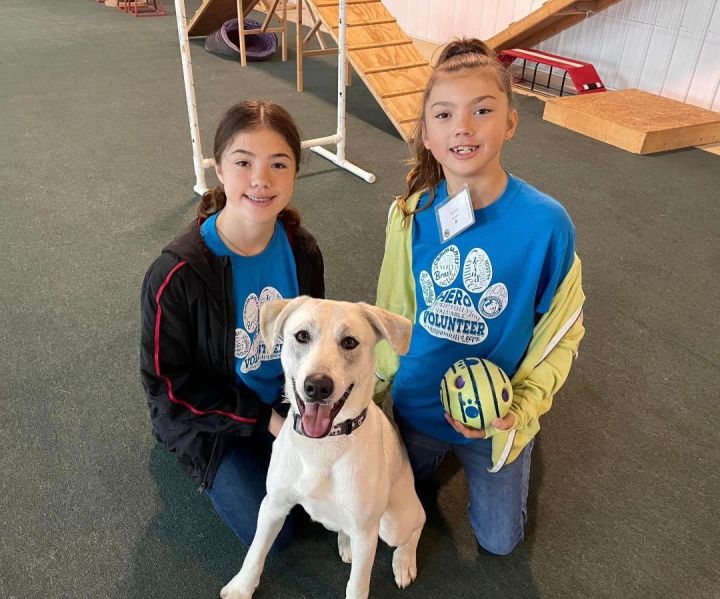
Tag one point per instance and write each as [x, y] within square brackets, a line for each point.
[318, 387]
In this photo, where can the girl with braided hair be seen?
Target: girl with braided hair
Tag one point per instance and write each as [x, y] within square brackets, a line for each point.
[484, 265]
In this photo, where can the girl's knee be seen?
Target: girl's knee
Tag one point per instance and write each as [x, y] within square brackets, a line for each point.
[498, 546]
[497, 535]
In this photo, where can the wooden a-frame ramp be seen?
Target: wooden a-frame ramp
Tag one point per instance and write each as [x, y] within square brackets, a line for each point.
[550, 19]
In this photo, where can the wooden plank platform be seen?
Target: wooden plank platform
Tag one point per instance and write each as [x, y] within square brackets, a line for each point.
[211, 14]
[550, 19]
[383, 56]
[635, 120]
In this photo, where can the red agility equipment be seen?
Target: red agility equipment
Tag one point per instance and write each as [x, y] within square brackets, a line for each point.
[583, 74]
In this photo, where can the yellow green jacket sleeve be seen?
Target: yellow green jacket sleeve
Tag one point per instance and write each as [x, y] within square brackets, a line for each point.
[545, 368]
[395, 292]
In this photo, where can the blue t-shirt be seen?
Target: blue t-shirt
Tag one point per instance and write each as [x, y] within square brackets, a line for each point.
[479, 294]
[257, 279]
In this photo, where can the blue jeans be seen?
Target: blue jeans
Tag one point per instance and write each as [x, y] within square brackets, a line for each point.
[498, 502]
[239, 488]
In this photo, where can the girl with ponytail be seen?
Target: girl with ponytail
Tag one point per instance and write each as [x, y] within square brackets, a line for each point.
[484, 265]
[213, 387]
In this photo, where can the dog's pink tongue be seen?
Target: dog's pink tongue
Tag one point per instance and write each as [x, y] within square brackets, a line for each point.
[316, 419]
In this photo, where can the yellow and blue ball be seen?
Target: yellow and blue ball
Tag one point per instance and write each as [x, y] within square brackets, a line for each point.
[475, 391]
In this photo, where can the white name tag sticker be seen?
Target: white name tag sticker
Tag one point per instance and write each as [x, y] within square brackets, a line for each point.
[455, 214]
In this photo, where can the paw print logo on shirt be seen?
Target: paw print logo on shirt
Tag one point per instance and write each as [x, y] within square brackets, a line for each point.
[249, 343]
[456, 312]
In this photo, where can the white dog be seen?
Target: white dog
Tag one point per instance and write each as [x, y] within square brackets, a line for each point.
[337, 454]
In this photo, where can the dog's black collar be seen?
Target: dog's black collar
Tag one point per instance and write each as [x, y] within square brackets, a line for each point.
[341, 428]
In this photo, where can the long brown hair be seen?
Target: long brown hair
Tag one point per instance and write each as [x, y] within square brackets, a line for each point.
[458, 55]
[249, 115]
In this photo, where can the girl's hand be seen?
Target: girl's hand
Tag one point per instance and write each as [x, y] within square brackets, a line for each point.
[501, 424]
[276, 423]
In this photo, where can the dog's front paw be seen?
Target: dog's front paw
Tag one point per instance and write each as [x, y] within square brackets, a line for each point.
[236, 590]
[404, 565]
[344, 548]
[229, 593]
[357, 594]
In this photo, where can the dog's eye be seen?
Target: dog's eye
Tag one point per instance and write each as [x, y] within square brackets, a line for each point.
[302, 337]
[349, 343]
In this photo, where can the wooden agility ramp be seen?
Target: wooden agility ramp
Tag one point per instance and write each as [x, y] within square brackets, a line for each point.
[381, 53]
[635, 120]
[550, 19]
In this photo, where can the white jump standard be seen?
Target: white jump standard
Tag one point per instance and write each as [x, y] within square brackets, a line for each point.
[338, 138]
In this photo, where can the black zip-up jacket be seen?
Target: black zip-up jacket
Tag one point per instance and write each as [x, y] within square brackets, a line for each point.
[187, 362]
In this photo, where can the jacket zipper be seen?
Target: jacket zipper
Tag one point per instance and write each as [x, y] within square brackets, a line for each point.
[229, 318]
[204, 484]
[228, 364]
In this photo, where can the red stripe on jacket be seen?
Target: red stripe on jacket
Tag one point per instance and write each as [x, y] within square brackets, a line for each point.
[166, 380]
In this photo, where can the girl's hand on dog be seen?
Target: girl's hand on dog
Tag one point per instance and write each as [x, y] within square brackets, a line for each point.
[276, 423]
[502, 424]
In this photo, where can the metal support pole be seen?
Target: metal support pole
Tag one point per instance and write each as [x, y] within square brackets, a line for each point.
[198, 162]
[562, 86]
[339, 157]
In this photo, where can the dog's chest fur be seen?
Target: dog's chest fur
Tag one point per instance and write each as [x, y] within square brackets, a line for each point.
[338, 480]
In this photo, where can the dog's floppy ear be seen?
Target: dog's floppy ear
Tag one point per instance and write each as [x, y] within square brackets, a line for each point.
[394, 328]
[273, 316]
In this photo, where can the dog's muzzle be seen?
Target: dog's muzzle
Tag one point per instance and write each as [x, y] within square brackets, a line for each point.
[316, 418]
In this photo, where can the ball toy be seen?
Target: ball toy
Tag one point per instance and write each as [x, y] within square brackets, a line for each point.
[475, 391]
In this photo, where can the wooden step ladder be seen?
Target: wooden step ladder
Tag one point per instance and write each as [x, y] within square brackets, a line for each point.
[382, 54]
[211, 15]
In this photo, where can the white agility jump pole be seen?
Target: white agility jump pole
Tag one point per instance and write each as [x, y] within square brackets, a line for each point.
[315, 145]
[339, 138]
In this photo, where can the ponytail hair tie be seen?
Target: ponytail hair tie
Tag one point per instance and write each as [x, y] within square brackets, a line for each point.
[462, 46]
